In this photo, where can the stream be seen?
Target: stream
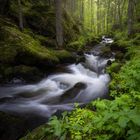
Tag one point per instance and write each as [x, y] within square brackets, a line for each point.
[81, 84]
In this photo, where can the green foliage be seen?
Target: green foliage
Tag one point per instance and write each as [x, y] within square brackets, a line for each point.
[128, 77]
[120, 35]
[81, 41]
[124, 43]
[136, 27]
[136, 39]
[77, 45]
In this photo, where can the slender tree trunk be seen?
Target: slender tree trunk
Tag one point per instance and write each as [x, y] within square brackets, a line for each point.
[123, 12]
[82, 10]
[130, 17]
[20, 16]
[98, 17]
[108, 15]
[59, 28]
[91, 3]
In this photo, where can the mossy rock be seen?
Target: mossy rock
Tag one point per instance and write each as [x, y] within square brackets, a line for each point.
[72, 93]
[77, 45]
[114, 68]
[46, 41]
[119, 55]
[74, 45]
[22, 72]
[27, 73]
[17, 43]
[23, 48]
[106, 51]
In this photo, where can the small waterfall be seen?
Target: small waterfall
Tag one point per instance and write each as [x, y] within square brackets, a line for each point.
[85, 82]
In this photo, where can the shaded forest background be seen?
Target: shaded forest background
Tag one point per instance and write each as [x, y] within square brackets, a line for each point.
[38, 35]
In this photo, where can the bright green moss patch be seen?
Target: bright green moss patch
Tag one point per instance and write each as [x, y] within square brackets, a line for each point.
[77, 45]
[26, 48]
[114, 68]
[18, 42]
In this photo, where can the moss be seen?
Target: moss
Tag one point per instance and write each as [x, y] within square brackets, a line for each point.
[65, 56]
[24, 48]
[27, 73]
[18, 49]
[46, 41]
[106, 51]
[62, 54]
[114, 68]
[77, 45]
[120, 35]
[23, 72]
[124, 43]
[37, 134]
[74, 45]
[18, 42]
[119, 55]
[7, 53]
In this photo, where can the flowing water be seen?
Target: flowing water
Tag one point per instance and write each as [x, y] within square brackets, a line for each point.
[82, 83]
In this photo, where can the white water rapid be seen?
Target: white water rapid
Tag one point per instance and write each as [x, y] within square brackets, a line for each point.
[85, 82]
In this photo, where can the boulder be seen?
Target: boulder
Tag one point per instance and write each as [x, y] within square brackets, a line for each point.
[73, 92]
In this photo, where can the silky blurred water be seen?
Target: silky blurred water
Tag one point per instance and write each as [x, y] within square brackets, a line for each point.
[48, 96]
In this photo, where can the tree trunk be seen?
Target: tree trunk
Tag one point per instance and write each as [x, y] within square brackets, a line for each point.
[130, 17]
[20, 15]
[59, 28]
[98, 17]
